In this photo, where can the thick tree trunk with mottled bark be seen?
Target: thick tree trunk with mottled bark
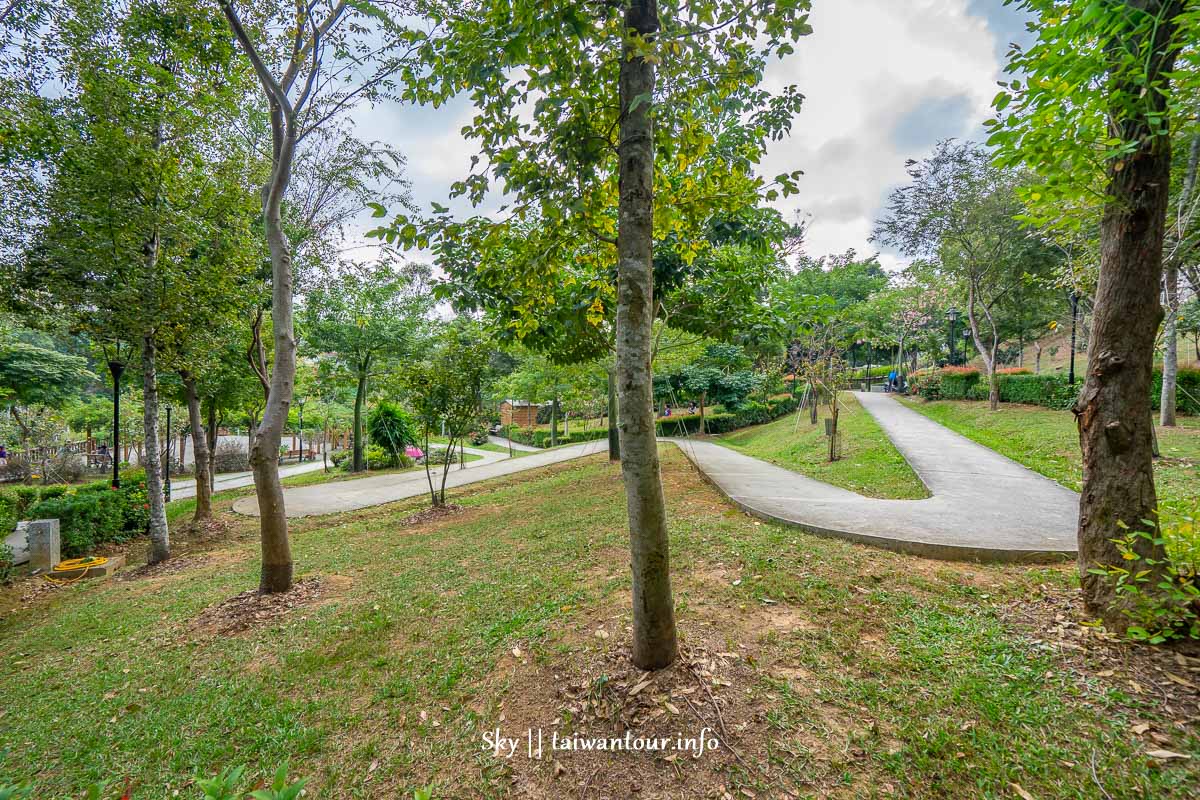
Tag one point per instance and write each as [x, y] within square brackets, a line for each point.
[160, 540]
[199, 449]
[654, 644]
[1113, 410]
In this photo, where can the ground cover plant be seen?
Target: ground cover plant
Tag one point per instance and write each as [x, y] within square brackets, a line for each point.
[839, 670]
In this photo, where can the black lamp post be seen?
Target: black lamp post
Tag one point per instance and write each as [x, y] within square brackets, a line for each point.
[952, 315]
[1074, 313]
[167, 461]
[300, 413]
[116, 368]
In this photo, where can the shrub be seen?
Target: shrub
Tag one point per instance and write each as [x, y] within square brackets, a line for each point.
[379, 458]
[17, 469]
[339, 456]
[391, 429]
[96, 513]
[6, 563]
[230, 457]
[478, 437]
[1168, 610]
[8, 513]
[51, 492]
[1187, 393]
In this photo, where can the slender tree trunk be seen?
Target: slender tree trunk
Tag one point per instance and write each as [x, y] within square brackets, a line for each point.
[359, 394]
[812, 399]
[160, 541]
[614, 439]
[554, 422]
[703, 398]
[433, 496]
[654, 643]
[199, 448]
[1170, 366]
[1113, 410]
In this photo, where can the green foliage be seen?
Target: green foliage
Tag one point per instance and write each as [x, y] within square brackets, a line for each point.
[31, 375]
[1161, 600]
[963, 383]
[391, 430]
[96, 513]
[6, 561]
[1187, 390]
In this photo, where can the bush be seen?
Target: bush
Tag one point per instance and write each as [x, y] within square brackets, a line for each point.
[68, 468]
[8, 513]
[230, 457]
[379, 458]
[96, 514]
[1187, 393]
[339, 456]
[51, 492]
[6, 563]
[478, 437]
[391, 429]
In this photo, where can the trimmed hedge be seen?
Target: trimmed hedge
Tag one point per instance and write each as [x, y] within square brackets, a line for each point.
[1050, 390]
[95, 513]
[751, 413]
[1187, 393]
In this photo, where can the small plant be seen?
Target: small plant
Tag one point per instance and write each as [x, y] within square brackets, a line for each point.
[280, 789]
[6, 572]
[1159, 611]
[224, 786]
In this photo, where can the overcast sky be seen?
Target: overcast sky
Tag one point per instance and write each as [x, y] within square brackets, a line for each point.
[883, 80]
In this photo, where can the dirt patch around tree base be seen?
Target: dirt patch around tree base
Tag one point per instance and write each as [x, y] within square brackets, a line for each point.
[1164, 679]
[251, 609]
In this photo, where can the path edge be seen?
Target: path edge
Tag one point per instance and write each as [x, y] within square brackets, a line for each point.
[940, 552]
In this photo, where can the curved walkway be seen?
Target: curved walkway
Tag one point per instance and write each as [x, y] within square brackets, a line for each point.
[983, 506]
[351, 495]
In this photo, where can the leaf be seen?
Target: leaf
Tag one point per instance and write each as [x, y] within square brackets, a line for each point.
[1167, 755]
[1020, 790]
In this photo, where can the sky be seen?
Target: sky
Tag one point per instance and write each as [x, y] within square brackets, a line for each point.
[883, 82]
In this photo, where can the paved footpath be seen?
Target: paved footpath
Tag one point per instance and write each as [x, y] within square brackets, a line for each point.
[183, 488]
[983, 506]
[350, 495]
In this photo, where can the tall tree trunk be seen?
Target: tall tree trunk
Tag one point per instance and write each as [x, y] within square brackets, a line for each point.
[1170, 366]
[160, 541]
[654, 643]
[554, 422]
[1113, 410]
[360, 392]
[199, 449]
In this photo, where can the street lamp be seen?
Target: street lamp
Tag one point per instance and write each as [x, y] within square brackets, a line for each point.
[116, 368]
[952, 315]
[167, 461]
[300, 412]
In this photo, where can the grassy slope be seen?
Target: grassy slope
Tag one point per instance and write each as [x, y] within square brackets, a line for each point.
[902, 673]
[870, 464]
[1047, 441]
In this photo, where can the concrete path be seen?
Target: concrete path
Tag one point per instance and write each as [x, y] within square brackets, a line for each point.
[983, 507]
[338, 496]
[183, 488]
[521, 448]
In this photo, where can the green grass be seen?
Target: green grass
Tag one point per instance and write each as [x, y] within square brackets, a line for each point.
[903, 674]
[870, 464]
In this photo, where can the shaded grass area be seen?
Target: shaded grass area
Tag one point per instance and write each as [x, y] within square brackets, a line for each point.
[897, 673]
[870, 463]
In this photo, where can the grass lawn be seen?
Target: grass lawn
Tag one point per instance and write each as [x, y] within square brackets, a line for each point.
[870, 464]
[839, 670]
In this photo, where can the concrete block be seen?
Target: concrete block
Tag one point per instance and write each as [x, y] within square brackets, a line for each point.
[44, 544]
[104, 570]
[18, 542]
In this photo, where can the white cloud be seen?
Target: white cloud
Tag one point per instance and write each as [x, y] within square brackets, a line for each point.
[883, 80]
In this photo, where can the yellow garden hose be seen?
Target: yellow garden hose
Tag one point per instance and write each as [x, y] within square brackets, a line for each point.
[72, 564]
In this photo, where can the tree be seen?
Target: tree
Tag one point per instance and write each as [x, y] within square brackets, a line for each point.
[143, 183]
[1094, 119]
[307, 60]
[962, 209]
[361, 318]
[448, 388]
[575, 129]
